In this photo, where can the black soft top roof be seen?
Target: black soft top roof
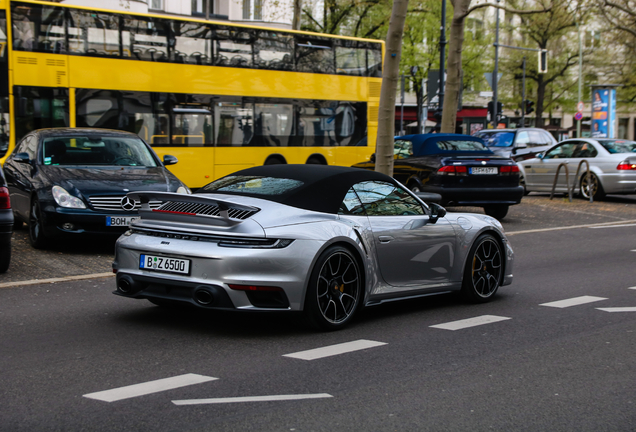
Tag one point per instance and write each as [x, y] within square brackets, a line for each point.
[323, 190]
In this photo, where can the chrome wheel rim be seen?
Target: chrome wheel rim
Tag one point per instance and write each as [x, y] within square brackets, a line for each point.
[589, 189]
[486, 271]
[338, 288]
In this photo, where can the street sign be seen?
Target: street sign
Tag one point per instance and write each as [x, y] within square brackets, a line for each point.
[488, 76]
[580, 107]
[578, 115]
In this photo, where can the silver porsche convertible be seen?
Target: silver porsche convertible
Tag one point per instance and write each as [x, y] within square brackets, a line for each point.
[321, 240]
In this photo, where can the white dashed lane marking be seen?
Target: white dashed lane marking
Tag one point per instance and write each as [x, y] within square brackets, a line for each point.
[618, 309]
[333, 350]
[251, 399]
[149, 387]
[470, 322]
[573, 301]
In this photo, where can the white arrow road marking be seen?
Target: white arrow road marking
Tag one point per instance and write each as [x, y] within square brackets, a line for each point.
[618, 309]
[470, 322]
[573, 301]
[149, 387]
[333, 350]
[251, 399]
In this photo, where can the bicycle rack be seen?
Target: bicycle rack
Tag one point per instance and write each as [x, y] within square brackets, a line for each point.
[567, 179]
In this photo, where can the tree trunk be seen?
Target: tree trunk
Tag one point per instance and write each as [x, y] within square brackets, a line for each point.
[454, 68]
[391, 70]
[298, 5]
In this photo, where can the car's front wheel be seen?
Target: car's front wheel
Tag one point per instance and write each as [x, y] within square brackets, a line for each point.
[593, 187]
[498, 211]
[335, 289]
[37, 238]
[484, 270]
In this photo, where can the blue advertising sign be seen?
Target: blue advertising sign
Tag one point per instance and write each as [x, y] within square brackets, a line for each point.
[603, 112]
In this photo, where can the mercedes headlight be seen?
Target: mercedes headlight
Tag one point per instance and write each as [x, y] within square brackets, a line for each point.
[65, 199]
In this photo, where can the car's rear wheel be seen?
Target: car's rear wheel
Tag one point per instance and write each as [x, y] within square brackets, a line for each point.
[484, 270]
[593, 187]
[498, 211]
[415, 187]
[335, 289]
[37, 238]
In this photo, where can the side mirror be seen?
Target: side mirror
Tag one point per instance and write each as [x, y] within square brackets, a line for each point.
[170, 160]
[372, 158]
[22, 158]
[437, 211]
[541, 155]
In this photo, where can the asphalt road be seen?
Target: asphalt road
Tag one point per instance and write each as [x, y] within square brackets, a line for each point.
[532, 366]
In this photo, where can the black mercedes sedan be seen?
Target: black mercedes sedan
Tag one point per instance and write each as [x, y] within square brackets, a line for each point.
[68, 182]
[458, 167]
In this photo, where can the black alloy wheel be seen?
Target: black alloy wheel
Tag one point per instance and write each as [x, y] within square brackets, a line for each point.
[37, 238]
[484, 270]
[335, 290]
[594, 187]
[498, 211]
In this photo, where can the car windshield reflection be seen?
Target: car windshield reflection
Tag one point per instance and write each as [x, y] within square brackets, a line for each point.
[83, 150]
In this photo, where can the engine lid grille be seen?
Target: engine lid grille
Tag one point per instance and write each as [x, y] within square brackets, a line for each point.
[208, 210]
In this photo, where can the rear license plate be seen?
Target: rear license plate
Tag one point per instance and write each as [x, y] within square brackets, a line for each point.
[164, 264]
[120, 220]
[483, 170]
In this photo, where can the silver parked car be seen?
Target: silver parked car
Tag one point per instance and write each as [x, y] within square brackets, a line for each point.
[323, 240]
[612, 165]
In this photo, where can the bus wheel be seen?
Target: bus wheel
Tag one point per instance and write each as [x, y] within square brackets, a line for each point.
[274, 161]
[315, 161]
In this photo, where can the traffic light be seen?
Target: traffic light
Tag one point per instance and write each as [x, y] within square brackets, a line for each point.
[543, 61]
[491, 114]
[528, 106]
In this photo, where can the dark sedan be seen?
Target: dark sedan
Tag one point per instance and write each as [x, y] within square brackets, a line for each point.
[460, 168]
[65, 182]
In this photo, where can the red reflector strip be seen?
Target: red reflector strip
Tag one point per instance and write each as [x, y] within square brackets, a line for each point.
[254, 288]
[509, 169]
[174, 212]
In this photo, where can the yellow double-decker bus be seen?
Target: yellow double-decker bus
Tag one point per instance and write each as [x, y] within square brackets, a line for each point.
[219, 96]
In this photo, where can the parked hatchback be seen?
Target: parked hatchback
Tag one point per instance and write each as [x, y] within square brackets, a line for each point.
[68, 182]
[518, 144]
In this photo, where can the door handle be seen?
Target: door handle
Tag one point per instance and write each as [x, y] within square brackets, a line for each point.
[385, 239]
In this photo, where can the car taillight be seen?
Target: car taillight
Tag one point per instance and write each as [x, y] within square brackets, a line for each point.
[626, 166]
[5, 201]
[453, 170]
[508, 169]
[254, 288]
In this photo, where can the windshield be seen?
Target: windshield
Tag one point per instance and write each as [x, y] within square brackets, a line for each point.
[92, 150]
[252, 185]
[619, 146]
[498, 139]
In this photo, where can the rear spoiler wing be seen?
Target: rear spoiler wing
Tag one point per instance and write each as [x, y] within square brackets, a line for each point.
[144, 197]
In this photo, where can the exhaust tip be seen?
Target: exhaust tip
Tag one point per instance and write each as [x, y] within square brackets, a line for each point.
[124, 285]
[127, 285]
[203, 297]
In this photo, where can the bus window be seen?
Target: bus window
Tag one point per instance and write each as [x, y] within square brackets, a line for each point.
[93, 33]
[233, 47]
[147, 38]
[315, 54]
[233, 123]
[192, 125]
[316, 124]
[274, 51]
[39, 107]
[38, 28]
[351, 60]
[374, 61]
[273, 124]
[191, 43]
